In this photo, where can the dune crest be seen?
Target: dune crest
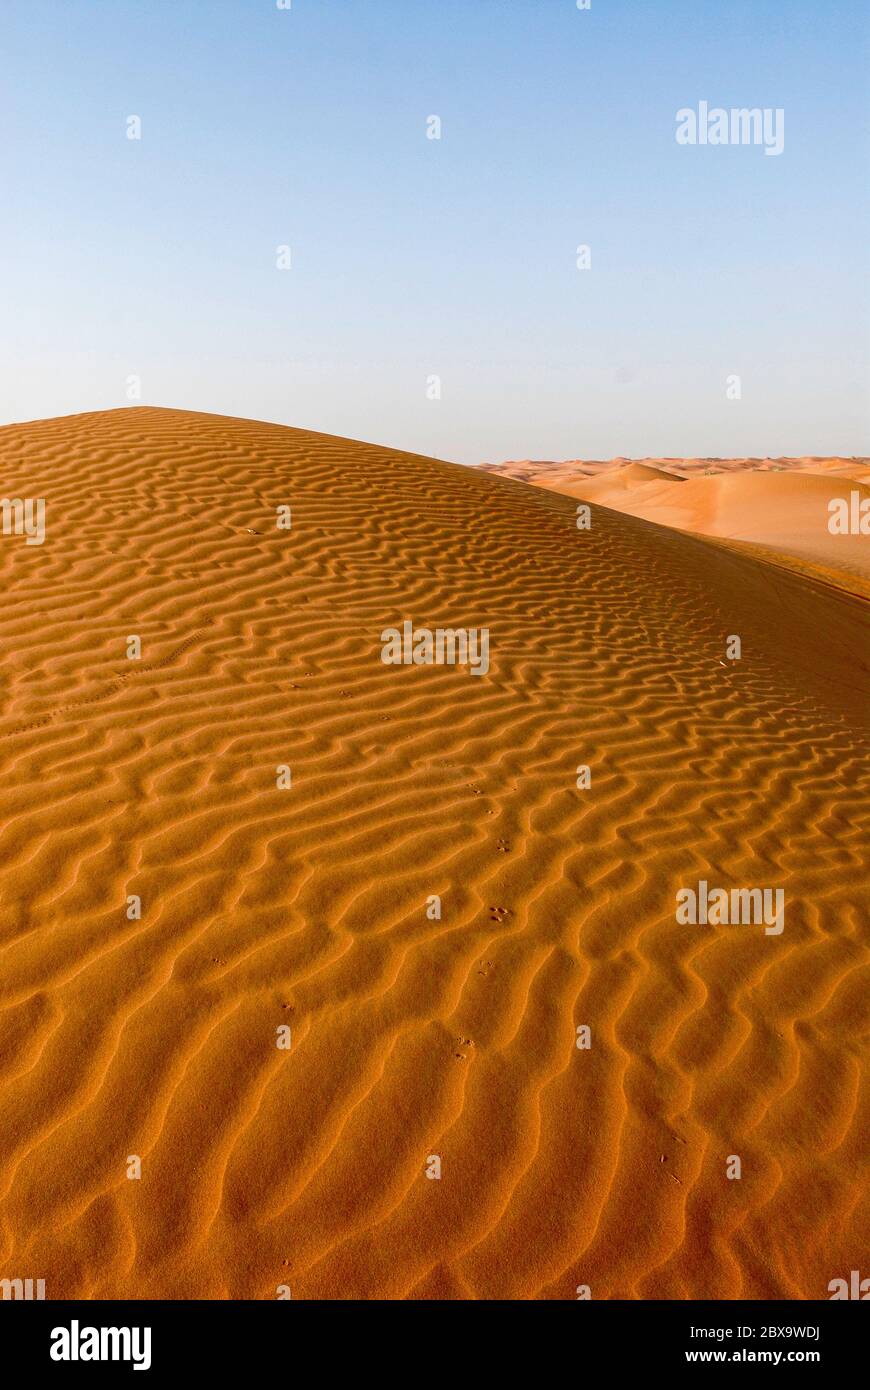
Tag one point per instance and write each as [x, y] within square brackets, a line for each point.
[247, 827]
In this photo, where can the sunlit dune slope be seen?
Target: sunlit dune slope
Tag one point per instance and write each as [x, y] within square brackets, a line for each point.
[412, 1036]
[783, 506]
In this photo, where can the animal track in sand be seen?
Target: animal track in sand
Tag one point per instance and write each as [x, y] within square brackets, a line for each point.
[119, 1037]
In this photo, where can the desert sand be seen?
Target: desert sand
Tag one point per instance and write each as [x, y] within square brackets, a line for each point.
[779, 506]
[266, 1169]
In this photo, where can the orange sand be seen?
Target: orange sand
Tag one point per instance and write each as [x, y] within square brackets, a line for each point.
[778, 504]
[307, 906]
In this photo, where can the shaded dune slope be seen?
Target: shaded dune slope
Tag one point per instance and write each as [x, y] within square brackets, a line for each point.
[307, 906]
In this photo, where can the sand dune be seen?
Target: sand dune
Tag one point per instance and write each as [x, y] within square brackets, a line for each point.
[525, 470]
[781, 505]
[306, 906]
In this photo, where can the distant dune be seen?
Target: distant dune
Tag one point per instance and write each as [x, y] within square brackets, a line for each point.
[780, 504]
[169, 902]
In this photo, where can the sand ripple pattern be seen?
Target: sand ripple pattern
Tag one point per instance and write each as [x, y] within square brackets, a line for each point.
[264, 907]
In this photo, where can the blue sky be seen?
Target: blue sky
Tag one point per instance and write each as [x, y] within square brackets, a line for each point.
[414, 258]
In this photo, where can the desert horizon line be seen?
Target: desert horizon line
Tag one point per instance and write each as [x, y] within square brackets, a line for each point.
[597, 457]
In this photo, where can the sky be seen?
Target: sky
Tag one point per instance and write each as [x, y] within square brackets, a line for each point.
[433, 300]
